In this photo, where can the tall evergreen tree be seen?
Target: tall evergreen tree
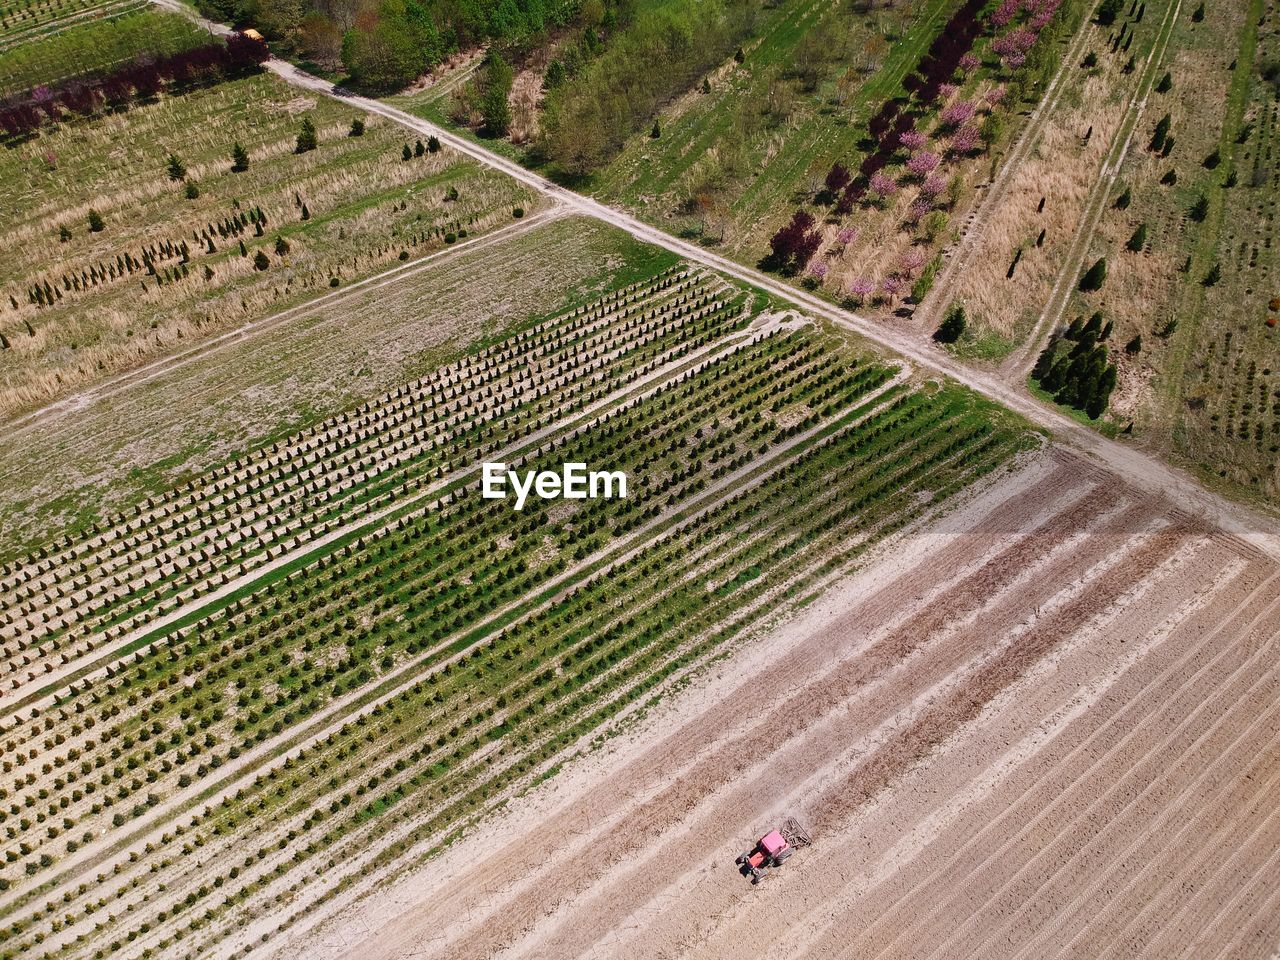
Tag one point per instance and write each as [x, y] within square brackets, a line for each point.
[306, 137]
[1095, 276]
[952, 326]
[495, 107]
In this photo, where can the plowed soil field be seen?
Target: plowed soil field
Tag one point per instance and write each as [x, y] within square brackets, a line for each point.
[1047, 725]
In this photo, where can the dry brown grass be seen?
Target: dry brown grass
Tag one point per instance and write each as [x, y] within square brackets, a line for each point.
[1061, 169]
[368, 209]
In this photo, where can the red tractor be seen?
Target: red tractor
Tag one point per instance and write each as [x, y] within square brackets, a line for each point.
[772, 850]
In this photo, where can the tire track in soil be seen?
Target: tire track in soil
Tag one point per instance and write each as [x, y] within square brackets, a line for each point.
[942, 720]
[1259, 924]
[870, 851]
[810, 705]
[728, 715]
[702, 891]
[1132, 783]
[1052, 773]
[994, 517]
[1134, 863]
[855, 705]
[1217, 852]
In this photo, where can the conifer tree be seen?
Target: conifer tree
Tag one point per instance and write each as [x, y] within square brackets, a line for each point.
[306, 137]
[952, 326]
[1095, 276]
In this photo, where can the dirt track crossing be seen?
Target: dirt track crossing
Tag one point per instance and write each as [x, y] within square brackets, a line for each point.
[1047, 731]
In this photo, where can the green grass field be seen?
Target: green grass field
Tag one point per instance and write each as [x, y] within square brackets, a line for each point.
[94, 45]
[23, 21]
[63, 474]
[759, 140]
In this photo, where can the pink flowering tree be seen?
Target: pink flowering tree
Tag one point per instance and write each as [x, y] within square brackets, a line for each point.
[883, 185]
[965, 140]
[1004, 14]
[912, 139]
[970, 62]
[995, 96]
[947, 90]
[818, 270]
[957, 113]
[912, 261]
[892, 288]
[917, 212]
[860, 288]
[846, 236]
[923, 162]
[932, 186]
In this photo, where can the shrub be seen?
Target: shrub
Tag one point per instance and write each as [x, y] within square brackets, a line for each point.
[357, 128]
[64, 233]
[518, 212]
[1213, 276]
[419, 149]
[239, 159]
[1134, 346]
[1108, 11]
[1095, 276]
[795, 244]
[1197, 15]
[952, 326]
[1200, 209]
[450, 237]
[1212, 160]
[1165, 84]
[1138, 242]
[192, 191]
[1123, 201]
[260, 261]
[306, 137]
[407, 152]
[656, 131]
[282, 246]
[177, 169]
[96, 223]
[1161, 133]
[1090, 60]
[433, 144]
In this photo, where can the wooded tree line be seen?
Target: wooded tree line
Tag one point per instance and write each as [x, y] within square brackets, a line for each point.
[385, 44]
[657, 55]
